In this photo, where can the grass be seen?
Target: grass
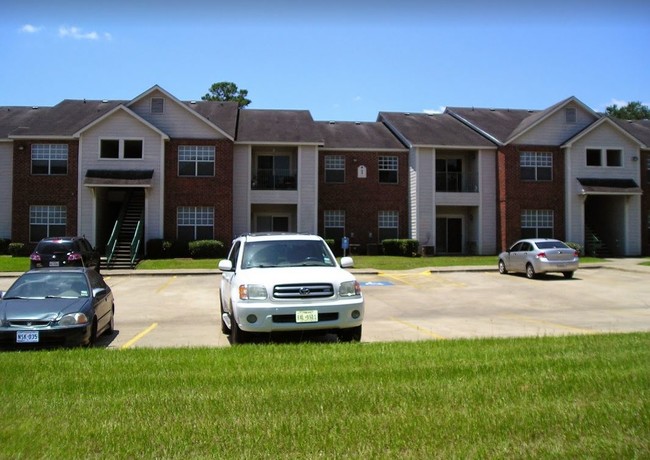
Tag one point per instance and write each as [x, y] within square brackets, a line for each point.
[566, 397]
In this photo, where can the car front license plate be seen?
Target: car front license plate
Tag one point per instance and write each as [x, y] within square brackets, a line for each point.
[307, 316]
[27, 337]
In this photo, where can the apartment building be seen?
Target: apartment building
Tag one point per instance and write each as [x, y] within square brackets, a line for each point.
[467, 181]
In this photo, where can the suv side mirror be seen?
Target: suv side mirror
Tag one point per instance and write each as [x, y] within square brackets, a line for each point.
[225, 265]
[347, 262]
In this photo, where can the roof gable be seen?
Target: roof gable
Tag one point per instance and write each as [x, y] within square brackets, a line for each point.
[604, 121]
[129, 112]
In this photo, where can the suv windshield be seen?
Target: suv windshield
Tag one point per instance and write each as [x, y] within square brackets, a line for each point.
[286, 253]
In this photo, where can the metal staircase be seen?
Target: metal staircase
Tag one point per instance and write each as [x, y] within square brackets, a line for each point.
[594, 245]
[125, 247]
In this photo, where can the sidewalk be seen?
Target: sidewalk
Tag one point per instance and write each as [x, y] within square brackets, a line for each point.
[623, 264]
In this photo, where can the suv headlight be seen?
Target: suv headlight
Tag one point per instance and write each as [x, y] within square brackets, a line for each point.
[349, 289]
[73, 319]
[252, 292]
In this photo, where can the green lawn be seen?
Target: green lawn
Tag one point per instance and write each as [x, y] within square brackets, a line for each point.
[566, 397]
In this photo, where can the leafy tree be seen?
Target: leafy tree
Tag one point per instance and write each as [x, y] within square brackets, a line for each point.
[227, 91]
[632, 111]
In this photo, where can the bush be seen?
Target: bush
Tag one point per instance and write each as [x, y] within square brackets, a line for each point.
[577, 247]
[158, 248]
[17, 249]
[207, 249]
[4, 245]
[400, 247]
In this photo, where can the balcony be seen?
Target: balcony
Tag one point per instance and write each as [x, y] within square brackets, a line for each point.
[274, 179]
[456, 182]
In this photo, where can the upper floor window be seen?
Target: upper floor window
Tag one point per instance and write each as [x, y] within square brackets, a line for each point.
[388, 223]
[607, 157]
[157, 105]
[334, 168]
[50, 159]
[120, 148]
[537, 223]
[388, 167]
[46, 221]
[274, 169]
[195, 223]
[196, 160]
[536, 166]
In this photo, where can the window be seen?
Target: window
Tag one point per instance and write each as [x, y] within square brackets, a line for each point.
[114, 149]
[46, 221]
[196, 160]
[157, 105]
[537, 223]
[388, 223]
[274, 171]
[195, 223]
[449, 175]
[334, 223]
[593, 157]
[536, 166]
[50, 159]
[614, 157]
[571, 114]
[334, 168]
[388, 170]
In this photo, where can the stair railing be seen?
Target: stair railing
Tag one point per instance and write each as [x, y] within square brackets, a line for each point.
[136, 242]
[112, 241]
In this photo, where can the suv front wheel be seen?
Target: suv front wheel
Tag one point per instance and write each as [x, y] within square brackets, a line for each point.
[352, 334]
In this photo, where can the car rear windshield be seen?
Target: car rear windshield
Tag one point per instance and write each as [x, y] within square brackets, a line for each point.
[51, 247]
[551, 245]
[289, 253]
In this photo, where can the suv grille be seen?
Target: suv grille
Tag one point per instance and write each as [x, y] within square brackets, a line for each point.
[303, 291]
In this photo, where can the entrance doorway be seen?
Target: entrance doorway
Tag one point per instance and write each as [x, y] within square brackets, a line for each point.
[449, 235]
[271, 223]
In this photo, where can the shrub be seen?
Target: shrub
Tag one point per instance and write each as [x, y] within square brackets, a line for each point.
[206, 249]
[400, 247]
[4, 245]
[158, 248]
[576, 246]
[17, 249]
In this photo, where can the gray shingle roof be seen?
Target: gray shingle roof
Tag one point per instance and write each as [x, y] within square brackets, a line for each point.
[14, 118]
[640, 129]
[222, 114]
[434, 130]
[354, 136]
[281, 126]
[498, 123]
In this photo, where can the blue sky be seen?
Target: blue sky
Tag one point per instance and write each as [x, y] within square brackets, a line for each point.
[342, 60]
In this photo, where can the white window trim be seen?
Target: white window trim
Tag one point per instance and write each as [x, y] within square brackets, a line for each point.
[603, 157]
[120, 153]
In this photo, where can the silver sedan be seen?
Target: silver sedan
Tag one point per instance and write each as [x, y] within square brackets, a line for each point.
[539, 255]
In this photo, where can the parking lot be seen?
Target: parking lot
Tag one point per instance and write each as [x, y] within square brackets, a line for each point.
[174, 310]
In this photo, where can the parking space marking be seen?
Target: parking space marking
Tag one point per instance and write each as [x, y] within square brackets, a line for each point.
[436, 279]
[139, 336]
[549, 323]
[418, 328]
[166, 284]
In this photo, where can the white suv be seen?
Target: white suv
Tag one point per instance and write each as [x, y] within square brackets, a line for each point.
[287, 282]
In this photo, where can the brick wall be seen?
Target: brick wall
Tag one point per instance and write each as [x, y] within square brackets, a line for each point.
[31, 189]
[516, 195]
[362, 199]
[200, 191]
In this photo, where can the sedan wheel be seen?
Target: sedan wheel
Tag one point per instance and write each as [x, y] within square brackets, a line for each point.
[568, 275]
[502, 267]
[530, 271]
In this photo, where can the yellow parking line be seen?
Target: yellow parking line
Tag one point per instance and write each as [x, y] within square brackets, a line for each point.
[418, 328]
[165, 285]
[549, 323]
[139, 336]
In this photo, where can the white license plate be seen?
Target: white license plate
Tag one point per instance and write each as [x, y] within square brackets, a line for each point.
[307, 316]
[27, 337]
[54, 264]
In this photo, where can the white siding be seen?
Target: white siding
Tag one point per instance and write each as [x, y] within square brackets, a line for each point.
[555, 130]
[425, 207]
[603, 137]
[487, 212]
[413, 194]
[241, 189]
[308, 189]
[176, 120]
[6, 186]
[122, 126]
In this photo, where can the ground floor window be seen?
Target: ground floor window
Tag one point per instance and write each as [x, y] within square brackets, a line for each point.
[537, 223]
[334, 223]
[388, 223]
[195, 223]
[45, 221]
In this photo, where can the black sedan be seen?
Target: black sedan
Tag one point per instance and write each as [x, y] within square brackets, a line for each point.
[56, 308]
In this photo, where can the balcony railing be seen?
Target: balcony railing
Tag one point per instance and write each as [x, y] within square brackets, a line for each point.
[451, 182]
[266, 179]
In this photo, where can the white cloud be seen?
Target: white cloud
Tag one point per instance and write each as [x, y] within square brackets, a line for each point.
[78, 34]
[30, 29]
[440, 109]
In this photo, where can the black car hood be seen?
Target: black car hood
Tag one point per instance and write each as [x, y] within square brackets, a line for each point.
[40, 309]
